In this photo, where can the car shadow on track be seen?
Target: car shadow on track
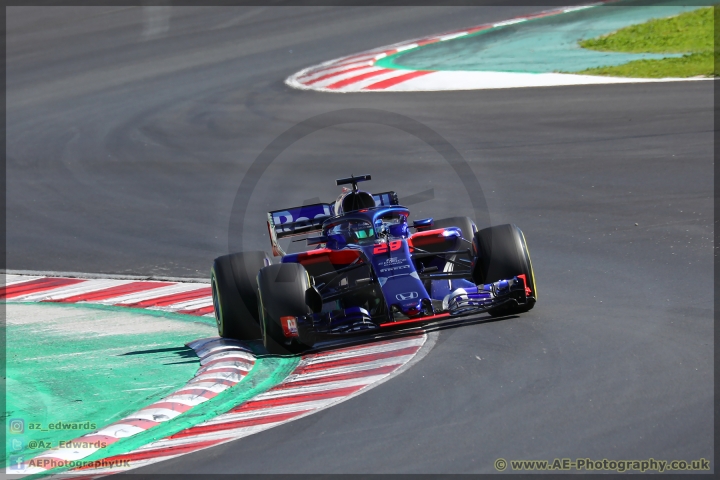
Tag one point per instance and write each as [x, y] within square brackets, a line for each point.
[183, 352]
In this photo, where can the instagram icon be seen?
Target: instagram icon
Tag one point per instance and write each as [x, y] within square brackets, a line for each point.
[17, 425]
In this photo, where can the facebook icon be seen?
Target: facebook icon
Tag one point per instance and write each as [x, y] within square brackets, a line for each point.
[16, 463]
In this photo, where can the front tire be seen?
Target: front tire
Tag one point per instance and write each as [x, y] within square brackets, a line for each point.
[281, 293]
[233, 281]
[500, 253]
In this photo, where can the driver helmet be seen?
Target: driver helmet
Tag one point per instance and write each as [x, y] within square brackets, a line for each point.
[350, 201]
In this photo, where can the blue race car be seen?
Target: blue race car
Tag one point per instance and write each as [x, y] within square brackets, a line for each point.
[369, 270]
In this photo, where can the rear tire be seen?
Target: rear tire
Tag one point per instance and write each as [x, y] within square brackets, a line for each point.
[233, 281]
[500, 253]
[281, 293]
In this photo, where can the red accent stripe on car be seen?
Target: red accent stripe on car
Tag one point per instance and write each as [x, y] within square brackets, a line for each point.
[425, 237]
[417, 320]
[528, 291]
[336, 257]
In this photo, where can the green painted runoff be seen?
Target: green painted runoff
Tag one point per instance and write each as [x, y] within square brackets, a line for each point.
[88, 367]
[543, 45]
[268, 371]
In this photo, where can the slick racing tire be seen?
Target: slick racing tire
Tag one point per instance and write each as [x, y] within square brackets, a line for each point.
[500, 253]
[233, 281]
[465, 224]
[281, 293]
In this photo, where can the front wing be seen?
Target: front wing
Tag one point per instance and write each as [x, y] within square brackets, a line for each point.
[461, 302]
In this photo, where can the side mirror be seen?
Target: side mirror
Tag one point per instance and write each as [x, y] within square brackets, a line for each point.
[425, 223]
[335, 242]
[398, 230]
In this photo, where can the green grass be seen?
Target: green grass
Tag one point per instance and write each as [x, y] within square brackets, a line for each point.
[690, 33]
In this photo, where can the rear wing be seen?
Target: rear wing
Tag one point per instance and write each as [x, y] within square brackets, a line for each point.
[309, 219]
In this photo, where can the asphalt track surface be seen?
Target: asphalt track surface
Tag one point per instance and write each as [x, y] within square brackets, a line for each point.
[128, 133]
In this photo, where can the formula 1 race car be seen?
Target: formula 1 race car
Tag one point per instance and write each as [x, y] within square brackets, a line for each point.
[368, 272]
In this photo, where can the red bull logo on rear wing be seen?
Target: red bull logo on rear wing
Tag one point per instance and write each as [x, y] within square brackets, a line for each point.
[308, 219]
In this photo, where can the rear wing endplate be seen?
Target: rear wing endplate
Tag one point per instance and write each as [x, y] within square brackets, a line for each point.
[309, 219]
